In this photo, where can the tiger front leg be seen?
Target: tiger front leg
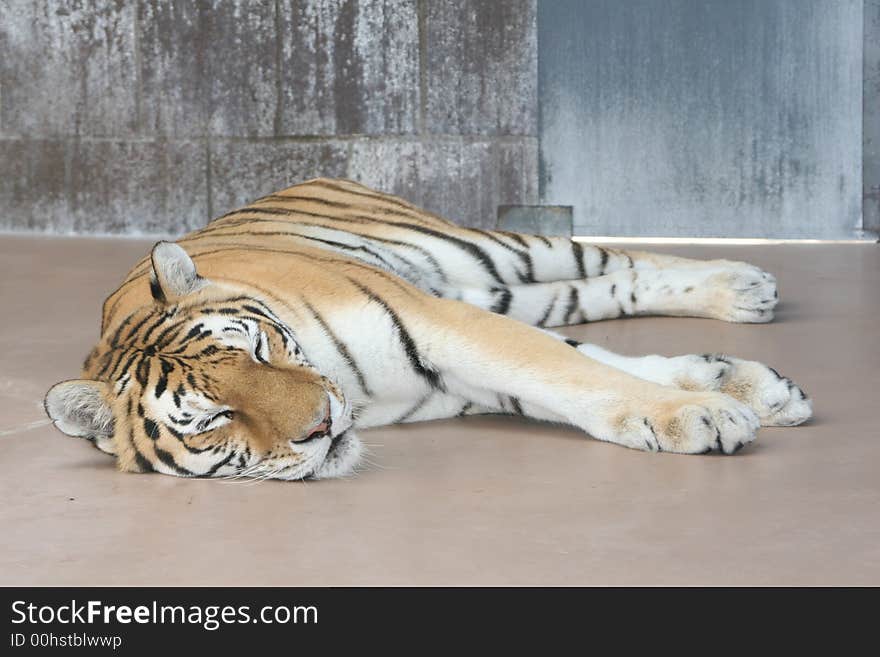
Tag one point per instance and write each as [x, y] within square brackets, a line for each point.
[473, 348]
[776, 399]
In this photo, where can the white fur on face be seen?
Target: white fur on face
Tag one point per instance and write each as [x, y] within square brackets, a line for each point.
[342, 459]
[246, 334]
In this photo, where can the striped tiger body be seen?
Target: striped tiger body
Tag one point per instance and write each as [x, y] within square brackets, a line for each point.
[258, 345]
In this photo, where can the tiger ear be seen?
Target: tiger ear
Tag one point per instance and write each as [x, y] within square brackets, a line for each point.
[174, 273]
[79, 408]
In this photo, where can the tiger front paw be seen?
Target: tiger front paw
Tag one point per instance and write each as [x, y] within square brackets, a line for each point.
[694, 424]
[776, 399]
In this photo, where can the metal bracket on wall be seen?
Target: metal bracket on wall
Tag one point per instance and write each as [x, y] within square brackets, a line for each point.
[546, 220]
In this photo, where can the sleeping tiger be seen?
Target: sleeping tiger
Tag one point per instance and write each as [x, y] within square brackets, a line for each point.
[258, 345]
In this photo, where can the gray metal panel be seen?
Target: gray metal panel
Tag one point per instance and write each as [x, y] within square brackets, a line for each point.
[703, 118]
[871, 118]
[547, 220]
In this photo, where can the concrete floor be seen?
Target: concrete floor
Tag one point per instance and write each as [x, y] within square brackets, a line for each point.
[469, 501]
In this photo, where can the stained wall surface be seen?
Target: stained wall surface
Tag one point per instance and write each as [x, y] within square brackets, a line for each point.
[154, 116]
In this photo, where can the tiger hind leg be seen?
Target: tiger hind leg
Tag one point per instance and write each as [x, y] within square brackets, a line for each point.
[739, 294]
[520, 258]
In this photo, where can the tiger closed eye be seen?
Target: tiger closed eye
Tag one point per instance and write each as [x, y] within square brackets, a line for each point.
[206, 424]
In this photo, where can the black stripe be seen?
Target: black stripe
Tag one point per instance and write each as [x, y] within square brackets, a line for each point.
[179, 421]
[577, 252]
[372, 195]
[312, 199]
[359, 219]
[156, 290]
[151, 429]
[258, 311]
[180, 437]
[168, 460]
[137, 327]
[431, 376]
[516, 237]
[180, 392]
[572, 303]
[109, 361]
[162, 383]
[349, 247]
[193, 332]
[415, 409]
[258, 347]
[572, 343]
[114, 340]
[123, 383]
[153, 327]
[517, 407]
[340, 347]
[219, 465]
[160, 339]
[603, 255]
[432, 261]
[525, 277]
[466, 246]
[548, 310]
[502, 303]
[174, 432]
[142, 373]
[170, 337]
[142, 462]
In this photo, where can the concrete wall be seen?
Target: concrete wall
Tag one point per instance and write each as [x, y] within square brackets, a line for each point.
[155, 116]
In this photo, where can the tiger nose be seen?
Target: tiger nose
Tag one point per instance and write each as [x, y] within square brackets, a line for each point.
[320, 429]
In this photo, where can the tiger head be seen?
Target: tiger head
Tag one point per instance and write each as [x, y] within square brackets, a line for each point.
[206, 381]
